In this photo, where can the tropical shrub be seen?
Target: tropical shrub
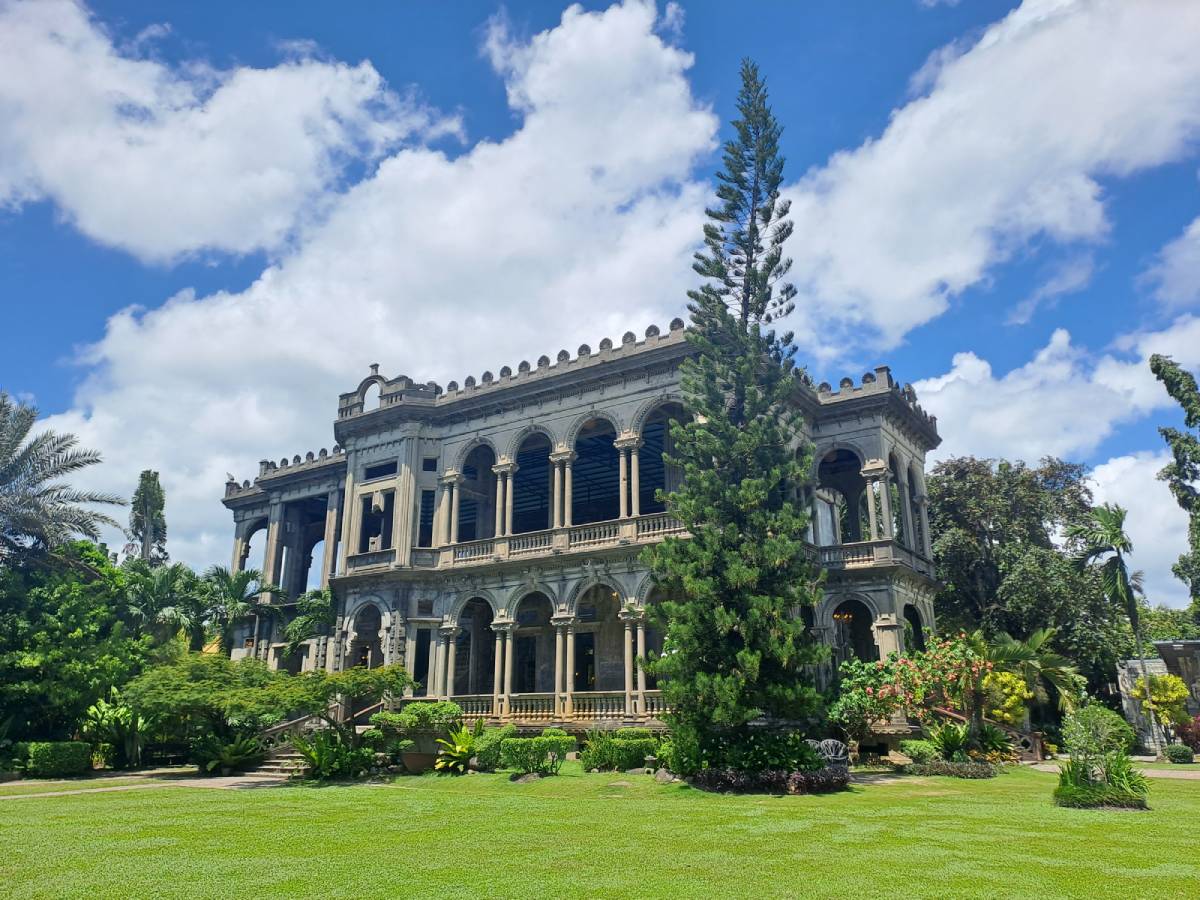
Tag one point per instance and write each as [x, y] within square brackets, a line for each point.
[543, 755]
[1006, 697]
[633, 733]
[771, 781]
[487, 747]
[953, 768]
[1094, 730]
[330, 757]
[55, 759]
[1112, 783]
[116, 727]
[213, 755]
[919, 751]
[762, 749]
[1179, 753]
[606, 751]
[441, 715]
[949, 740]
[1168, 698]
[456, 752]
[1189, 733]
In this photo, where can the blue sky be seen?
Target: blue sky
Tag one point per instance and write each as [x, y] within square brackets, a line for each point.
[992, 198]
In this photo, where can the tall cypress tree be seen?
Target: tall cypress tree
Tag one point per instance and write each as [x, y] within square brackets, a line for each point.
[148, 520]
[1182, 474]
[736, 646]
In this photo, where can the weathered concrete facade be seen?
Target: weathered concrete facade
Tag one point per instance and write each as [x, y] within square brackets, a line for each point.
[487, 535]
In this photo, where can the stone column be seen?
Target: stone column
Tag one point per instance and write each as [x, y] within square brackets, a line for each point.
[641, 664]
[433, 673]
[569, 675]
[333, 505]
[273, 558]
[498, 474]
[509, 484]
[624, 481]
[627, 618]
[906, 511]
[568, 490]
[635, 487]
[509, 640]
[926, 540]
[556, 509]
[451, 634]
[871, 513]
[885, 505]
[456, 486]
[443, 524]
[239, 547]
[497, 710]
[558, 667]
[889, 635]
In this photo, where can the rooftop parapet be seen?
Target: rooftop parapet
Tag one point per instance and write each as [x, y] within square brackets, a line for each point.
[873, 383]
[268, 469]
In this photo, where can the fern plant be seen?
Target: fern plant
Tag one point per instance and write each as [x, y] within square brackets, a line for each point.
[950, 740]
[455, 755]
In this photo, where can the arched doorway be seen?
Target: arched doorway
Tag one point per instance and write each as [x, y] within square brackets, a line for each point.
[853, 635]
[477, 508]
[475, 650]
[366, 647]
[841, 498]
[533, 645]
[914, 630]
[654, 472]
[532, 485]
[596, 488]
[599, 641]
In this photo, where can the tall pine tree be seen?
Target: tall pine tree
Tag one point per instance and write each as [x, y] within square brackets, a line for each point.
[148, 520]
[736, 646]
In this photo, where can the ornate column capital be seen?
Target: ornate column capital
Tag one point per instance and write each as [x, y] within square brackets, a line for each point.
[563, 621]
[566, 456]
[628, 442]
[449, 632]
[504, 627]
[505, 468]
[629, 615]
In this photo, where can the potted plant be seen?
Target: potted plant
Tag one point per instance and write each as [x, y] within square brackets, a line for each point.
[419, 725]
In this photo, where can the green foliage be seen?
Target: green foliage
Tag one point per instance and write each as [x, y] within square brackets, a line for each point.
[316, 612]
[1182, 474]
[440, 715]
[38, 511]
[330, 756]
[1007, 696]
[233, 597]
[1094, 730]
[1179, 753]
[993, 740]
[634, 732]
[216, 756]
[919, 751]
[609, 751]
[770, 748]
[1167, 698]
[167, 600]
[950, 740]
[66, 637]
[456, 753]
[1096, 796]
[736, 649]
[116, 726]
[487, 746]
[543, 755]
[147, 519]
[55, 759]
[953, 768]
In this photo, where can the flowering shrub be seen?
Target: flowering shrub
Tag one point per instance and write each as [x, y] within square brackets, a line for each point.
[1168, 698]
[1189, 733]
[1007, 696]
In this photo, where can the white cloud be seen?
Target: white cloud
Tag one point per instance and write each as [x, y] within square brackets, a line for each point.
[1069, 276]
[163, 161]
[1010, 144]
[1175, 275]
[576, 226]
[1155, 523]
[1063, 402]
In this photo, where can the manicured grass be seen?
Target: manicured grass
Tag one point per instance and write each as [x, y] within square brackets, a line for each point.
[16, 788]
[604, 835]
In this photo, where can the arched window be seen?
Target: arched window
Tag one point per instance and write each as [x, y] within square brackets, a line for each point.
[477, 508]
[853, 637]
[842, 490]
[914, 630]
[475, 653]
[533, 645]
[532, 485]
[654, 473]
[596, 490]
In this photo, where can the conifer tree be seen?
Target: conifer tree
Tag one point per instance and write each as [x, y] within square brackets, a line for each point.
[736, 646]
[148, 520]
[1182, 474]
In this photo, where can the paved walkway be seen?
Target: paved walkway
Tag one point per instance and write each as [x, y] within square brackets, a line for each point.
[1183, 773]
[149, 779]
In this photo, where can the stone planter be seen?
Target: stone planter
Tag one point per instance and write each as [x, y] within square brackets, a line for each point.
[424, 751]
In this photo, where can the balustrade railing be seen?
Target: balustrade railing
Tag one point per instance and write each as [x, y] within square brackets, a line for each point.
[599, 705]
[598, 533]
[474, 706]
[657, 525]
[654, 705]
[474, 550]
[531, 707]
[534, 542]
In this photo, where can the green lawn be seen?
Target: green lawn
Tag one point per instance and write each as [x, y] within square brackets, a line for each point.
[16, 788]
[610, 835]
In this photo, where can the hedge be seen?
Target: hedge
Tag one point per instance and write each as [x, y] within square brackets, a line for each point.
[1179, 753]
[772, 781]
[608, 753]
[1094, 796]
[54, 759]
[542, 755]
[953, 769]
[487, 747]
[919, 751]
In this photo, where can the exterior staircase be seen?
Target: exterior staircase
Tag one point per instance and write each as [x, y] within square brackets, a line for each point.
[282, 762]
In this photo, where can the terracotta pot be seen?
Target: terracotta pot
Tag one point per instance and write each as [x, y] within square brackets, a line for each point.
[418, 762]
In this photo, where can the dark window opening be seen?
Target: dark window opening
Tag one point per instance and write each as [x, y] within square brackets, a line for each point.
[421, 663]
[379, 471]
[376, 522]
[596, 491]
[425, 519]
[585, 662]
[533, 485]
[525, 671]
[429, 464]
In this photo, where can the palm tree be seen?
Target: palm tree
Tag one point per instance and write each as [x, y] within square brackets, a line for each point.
[1104, 541]
[36, 510]
[1031, 659]
[234, 597]
[314, 614]
[167, 600]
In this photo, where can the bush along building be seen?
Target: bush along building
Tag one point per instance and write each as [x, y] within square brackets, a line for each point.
[488, 535]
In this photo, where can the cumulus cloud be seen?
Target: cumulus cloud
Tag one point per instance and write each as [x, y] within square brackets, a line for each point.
[1009, 143]
[1068, 277]
[162, 161]
[1155, 523]
[579, 224]
[1064, 402]
[1175, 275]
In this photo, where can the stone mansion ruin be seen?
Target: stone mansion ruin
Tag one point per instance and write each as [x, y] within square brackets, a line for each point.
[487, 535]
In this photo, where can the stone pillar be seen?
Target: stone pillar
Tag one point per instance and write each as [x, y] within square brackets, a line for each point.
[443, 525]
[433, 680]
[568, 490]
[926, 540]
[569, 675]
[456, 486]
[624, 482]
[558, 667]
[906, 511]
[333, 505]
[509, 638]
[509, 484]
[889, 635]
[871, 513]
[498, 474]
[556, 511]
[497, 710]
[627, 618]
[641, 664]
[451, 634]
[635, 486]
[239, 547]
[885, 505]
